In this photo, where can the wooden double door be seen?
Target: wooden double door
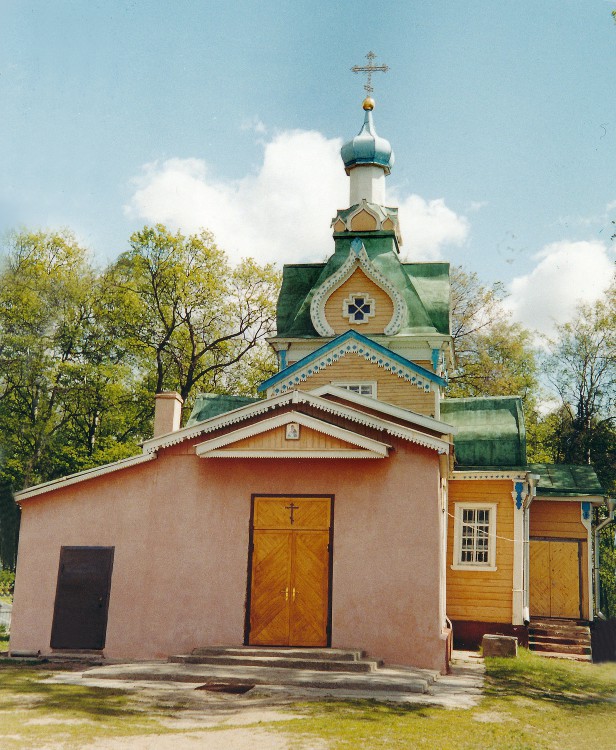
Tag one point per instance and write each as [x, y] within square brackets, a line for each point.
[555, 578]
[290, 571]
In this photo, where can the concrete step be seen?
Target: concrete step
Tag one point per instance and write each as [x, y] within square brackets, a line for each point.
[560, 638]
[550, 638]
[279, 659]
[577, 625]
[561, 655]
[335, 654]
[278, 662]
[543, 628]
[392, 680]
[560, 647]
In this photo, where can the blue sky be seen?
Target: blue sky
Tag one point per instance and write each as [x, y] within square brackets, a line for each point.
[229, 115]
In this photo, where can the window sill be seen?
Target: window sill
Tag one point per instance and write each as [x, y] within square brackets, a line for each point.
[476, 568]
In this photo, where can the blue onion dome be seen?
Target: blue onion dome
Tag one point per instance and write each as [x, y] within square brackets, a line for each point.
[367, 147]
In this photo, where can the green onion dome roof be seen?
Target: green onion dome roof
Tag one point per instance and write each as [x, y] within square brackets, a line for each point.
[367, 147]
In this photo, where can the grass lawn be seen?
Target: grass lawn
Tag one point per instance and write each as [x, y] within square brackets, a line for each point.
[529, 703]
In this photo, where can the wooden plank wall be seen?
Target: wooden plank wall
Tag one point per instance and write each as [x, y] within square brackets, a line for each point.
[390, 388]
[276, 440]
[557, 519]
[477, 595]
[359, 283]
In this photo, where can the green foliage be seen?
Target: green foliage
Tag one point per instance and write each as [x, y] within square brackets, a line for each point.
[191, 319]
[493, 356]
[7, 583]
[582, 369]
[607, 573]
[9, 534]
[83, 351]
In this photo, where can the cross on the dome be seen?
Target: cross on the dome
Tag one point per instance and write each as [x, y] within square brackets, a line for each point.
[369, 69]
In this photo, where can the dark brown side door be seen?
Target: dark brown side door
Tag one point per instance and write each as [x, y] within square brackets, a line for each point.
[82, 598]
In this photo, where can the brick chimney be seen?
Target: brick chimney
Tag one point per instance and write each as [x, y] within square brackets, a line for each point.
[167, 412]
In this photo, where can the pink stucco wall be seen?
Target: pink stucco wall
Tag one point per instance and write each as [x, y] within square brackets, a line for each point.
[180, 528]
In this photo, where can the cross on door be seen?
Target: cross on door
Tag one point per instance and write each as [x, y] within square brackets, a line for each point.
[291, 508]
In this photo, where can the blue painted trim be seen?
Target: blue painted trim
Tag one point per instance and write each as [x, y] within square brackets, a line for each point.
[586, 511]
[283, 359]
[360, 339]
[519, 488]
[435, 358]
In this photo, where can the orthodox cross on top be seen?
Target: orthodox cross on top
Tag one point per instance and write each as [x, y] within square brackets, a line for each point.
[292, 508]
[369, 69]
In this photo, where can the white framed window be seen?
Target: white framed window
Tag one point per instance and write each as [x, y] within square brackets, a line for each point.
[358, 307]
[363, 388]
[474, 546]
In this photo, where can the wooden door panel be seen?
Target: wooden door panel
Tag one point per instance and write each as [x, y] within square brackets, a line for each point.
[540, 579]
[289, 600]
[82, 598]
[271, 572]
[565, 579]
[291, 513]
[554, 579]
[310, 589]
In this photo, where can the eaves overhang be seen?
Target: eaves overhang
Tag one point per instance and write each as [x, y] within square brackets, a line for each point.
[302, 397]
[351, 342]
[82, 476]
[421, 420]
[222, 446]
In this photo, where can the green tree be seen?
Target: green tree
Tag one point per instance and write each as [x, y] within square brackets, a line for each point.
[582, 369]
[188, 312]
[493, 356]
[62, 372]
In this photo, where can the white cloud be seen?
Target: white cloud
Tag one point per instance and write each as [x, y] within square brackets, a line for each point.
[567, 274]
[283, 212]
[428, 225]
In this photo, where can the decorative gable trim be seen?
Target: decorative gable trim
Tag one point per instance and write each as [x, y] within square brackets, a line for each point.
[436, 425]
[358, 258]
[351, 343]
[323, 404]
[369, 448]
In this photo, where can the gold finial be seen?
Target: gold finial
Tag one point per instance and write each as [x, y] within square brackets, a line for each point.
[369, 69]
[368, 103]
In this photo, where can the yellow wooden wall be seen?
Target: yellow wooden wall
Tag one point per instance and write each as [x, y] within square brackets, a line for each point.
[359, 283]
[390, 388]
[477, 595]
[276, 440]
[557, 519]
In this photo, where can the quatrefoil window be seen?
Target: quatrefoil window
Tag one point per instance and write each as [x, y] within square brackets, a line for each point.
[358, 308]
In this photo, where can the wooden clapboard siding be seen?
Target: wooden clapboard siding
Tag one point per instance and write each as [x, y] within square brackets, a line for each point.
[390, 388]
[359, 283]
[363, 222]
[276, 440]
[482, 596]
[557, 519]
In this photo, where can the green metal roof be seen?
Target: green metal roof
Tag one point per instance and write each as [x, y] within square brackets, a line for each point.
[566, 480]
[491, 431]
[208, 405]
[424, 286]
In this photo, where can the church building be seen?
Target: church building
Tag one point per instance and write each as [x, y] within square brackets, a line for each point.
[352, 505]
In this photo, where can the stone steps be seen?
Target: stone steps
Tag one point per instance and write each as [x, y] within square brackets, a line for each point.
[329, 669]
[336, 654]
[319, 660]
[565, 638]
